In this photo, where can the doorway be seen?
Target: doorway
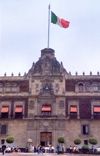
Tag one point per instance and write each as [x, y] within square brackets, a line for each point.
[46, 138]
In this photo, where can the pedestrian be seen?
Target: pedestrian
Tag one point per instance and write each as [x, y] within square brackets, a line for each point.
[50, 148]
[32, 149]
[70, 149]
[3, 148]
[57, 149]
[76, 149]
[40, 149]
[73, 149]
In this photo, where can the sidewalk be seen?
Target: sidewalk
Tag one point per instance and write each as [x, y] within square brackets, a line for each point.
[46, 154]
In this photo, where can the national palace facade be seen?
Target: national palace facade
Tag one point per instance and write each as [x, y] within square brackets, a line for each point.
[47, 102]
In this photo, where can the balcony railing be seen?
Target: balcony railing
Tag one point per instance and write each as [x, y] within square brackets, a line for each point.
[45, 116]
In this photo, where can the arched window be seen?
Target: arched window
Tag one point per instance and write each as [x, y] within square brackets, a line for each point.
[87, 87]
[8, 87]
[95, 87]
[1, 87]
[80, 86]
[14, 87]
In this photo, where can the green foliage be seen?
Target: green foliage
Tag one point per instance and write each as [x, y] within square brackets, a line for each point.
[9, 139]
[93, 141]
[85, 147]
[61, 139]
[77, 141]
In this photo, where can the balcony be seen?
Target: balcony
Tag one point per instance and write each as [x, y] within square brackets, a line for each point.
[45, 116]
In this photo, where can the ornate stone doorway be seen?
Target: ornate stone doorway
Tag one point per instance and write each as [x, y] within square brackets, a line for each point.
[46, 138]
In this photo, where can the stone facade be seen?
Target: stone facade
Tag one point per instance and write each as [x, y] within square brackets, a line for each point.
[48, 102]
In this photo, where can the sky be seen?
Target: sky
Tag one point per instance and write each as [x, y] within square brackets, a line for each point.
[24, 33]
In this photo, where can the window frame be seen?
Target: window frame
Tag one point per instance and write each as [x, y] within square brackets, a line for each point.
[87, 87]
[1, 87]
[57, 87]
[14, 87]
[80, 87]
[8, 87]
[95, 87]
[83, 129]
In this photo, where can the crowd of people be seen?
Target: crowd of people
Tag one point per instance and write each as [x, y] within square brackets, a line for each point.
[9, 149]
[40, 149]
[73, 149]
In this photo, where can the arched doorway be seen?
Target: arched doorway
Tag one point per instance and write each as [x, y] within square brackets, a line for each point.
[46, 138]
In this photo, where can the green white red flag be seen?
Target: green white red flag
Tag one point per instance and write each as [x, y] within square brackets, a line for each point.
[61, 22]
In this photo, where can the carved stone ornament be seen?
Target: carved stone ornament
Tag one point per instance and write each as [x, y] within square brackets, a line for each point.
[61, 104]
[31, 104]
[45, 124]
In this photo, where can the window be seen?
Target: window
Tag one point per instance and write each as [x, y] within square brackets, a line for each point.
[1, 87]
[85, 129]
[95, 87]
[8, 88]
[96, 112]
[3, 129]
[2, 141]
[46, 110]
[18, 112]
[57, 87]
[73, 112]
[14, 87]
[37, 88]
[85, 142]
[80, 87]
[87, 87]
[4, 112]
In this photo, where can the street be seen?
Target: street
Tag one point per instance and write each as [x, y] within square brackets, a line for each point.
[45, 154]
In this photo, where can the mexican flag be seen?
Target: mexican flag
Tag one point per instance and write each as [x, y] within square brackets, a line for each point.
[61, 22]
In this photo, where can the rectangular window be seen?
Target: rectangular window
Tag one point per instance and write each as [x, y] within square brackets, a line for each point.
[3, 129]
[73, 112]
[37, 87]
[2, 141]
[18, 112]
[96, 112]
[4, 112]
[57, 87]
[46, 110]
[85, 129]
[85, 142]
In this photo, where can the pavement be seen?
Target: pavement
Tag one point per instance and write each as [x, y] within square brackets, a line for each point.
[45, 154]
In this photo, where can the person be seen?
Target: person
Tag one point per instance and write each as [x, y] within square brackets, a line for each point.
[13, 149]
[73, 149]
[70, 149]
[57, 149]
[35, 149]
[16, 149]
[92, 149]
[76, 149]
[3, 148]
[32, 149]
[19, 150]
[26, 149]
[40, 149]
[50, 148]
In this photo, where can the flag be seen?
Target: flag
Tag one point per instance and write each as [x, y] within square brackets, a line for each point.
[61, 22]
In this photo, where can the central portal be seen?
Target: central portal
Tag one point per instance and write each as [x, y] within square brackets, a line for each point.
[46, 138]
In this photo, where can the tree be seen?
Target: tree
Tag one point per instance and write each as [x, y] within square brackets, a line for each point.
[93, 141]
[61, 139]
[77, 141]
[85, 149]
[9, 139]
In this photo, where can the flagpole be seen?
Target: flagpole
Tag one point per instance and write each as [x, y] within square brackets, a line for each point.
[48, 24]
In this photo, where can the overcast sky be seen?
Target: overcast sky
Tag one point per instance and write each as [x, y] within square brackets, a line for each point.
[24, 33]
